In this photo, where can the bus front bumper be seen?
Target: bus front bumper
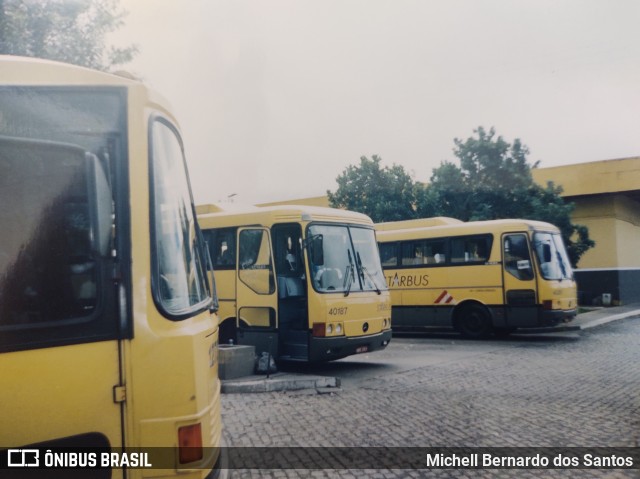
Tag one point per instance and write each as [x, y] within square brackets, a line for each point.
[328, 349]
[556, 317]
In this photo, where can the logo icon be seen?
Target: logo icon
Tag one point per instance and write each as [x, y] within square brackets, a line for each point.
[23, 458]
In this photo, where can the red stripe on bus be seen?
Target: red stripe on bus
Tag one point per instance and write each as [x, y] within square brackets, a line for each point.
[442, 295]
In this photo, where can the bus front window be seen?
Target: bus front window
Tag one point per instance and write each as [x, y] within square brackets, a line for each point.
[552, 256]
[368, 259]
[330, 256]
[344, 259]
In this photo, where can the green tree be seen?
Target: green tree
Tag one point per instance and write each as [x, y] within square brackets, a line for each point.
[71, 31]
[384, 194]
[494, 181]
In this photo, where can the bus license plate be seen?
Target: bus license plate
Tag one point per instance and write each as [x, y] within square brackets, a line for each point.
[362, 349]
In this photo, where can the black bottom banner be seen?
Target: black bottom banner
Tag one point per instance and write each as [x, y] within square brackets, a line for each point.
[322, 458]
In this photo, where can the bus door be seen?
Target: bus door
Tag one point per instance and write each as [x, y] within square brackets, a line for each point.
[293, 317]
[256, 301]
[519, 286]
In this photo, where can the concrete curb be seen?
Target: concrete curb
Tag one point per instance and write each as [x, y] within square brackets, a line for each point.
[597, 320]
[588, 320]
[278, 382]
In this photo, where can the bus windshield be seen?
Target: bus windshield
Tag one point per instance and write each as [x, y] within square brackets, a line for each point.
[552, 256]
[344, 259]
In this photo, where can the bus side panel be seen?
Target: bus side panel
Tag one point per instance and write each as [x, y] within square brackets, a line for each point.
[172, 394]
[426, 297]
[412, 317]
[49, 394]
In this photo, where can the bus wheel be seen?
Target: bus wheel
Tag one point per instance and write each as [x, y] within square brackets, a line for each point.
[473, 321]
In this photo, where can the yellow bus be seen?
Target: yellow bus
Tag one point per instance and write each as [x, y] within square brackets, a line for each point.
[300, 283]
[476, 277]
[107, 327]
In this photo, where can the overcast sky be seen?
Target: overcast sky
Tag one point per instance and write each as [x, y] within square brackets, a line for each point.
[276, 98]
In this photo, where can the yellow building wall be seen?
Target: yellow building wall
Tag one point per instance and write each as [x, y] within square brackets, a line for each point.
[614, 224]
[597, 177]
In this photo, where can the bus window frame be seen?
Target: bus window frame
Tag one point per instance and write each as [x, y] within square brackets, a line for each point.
[206, 303]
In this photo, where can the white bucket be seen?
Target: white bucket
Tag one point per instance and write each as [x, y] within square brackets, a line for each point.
[606, 299]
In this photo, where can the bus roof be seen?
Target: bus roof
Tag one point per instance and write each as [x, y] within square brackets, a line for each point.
[210, 216]
[388, 233]
[26, 71]
[37, 71]
[417, 223]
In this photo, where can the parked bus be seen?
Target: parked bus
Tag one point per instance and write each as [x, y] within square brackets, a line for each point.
[107, 332]
[476, 277]
[301, 283]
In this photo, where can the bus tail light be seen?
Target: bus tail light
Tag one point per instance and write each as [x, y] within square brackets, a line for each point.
[190, 443]
[547, 304]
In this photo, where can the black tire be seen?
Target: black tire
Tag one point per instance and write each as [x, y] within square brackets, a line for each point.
[473, 322]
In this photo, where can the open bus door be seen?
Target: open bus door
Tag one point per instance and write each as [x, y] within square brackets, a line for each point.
[256, 298]
[519, 282]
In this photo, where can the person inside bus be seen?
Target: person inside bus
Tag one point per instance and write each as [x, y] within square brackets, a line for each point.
[225, 258]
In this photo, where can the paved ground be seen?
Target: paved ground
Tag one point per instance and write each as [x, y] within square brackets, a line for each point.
[579, 391]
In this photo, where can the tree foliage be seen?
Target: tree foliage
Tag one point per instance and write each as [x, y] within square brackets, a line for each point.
[494, 181]
[71, 31]
[384, 194]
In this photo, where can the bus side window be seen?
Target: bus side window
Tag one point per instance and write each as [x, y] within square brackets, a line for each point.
[389, 254]
[408, 253]
[47, 269]
[470, 249]
[255, 266]
[225, 248]
[517, 260]
[434, 251]
[287, 243]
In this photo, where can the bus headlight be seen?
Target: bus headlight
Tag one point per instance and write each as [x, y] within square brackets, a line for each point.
[321, 330]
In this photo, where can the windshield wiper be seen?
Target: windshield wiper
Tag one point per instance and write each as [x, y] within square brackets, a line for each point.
[348, 275]
[366, 271]
[563, 267]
